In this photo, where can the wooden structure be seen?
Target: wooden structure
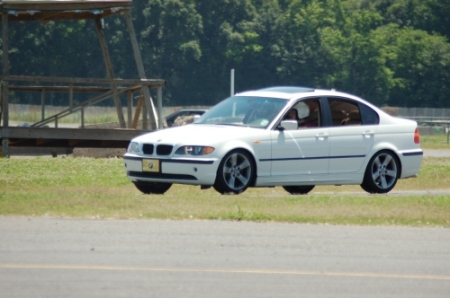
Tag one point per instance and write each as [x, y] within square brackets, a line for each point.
[95, 10]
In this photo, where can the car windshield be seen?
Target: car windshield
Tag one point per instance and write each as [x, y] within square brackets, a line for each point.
[244, 111]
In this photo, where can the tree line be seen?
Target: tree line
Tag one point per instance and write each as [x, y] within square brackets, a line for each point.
[391, 52]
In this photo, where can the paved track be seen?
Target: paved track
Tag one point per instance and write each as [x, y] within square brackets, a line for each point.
[436, 152]
[45, 257]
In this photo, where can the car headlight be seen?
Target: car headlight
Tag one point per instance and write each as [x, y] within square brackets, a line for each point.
[134, 148]
[194, 150]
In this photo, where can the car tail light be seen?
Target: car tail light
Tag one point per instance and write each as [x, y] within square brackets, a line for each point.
[416, 136]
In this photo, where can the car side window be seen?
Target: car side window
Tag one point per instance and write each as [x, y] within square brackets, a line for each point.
[369, 116]
[306, 113]
[344, 112]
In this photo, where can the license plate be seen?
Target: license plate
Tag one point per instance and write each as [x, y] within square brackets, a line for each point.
[150, 165]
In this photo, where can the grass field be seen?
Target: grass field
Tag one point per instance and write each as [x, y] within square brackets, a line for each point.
[434, 142]
[98, 188]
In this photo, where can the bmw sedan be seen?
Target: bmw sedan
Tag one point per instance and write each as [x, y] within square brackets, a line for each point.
[292, 137]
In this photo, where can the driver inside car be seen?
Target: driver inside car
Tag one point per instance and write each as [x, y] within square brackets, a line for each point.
[305, 113]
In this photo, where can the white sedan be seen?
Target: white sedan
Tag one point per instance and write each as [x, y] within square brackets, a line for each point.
[292, 137]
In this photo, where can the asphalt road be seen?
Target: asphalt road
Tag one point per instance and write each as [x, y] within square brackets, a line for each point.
[436, 152]
[51, 257]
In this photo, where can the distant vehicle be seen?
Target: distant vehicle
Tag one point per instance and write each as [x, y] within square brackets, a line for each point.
[292, 137]
[171, 119]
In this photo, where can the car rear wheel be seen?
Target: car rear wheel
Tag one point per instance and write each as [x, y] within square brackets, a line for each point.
[157, 188]
[235, 173]
[298, 190]
[382, 173]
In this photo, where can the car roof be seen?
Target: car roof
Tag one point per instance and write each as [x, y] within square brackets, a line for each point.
[285, 92]
[289, 92]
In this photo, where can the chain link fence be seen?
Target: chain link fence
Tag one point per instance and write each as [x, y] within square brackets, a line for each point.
[431, 120]
[420, 113]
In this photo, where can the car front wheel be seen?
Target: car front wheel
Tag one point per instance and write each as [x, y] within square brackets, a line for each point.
[235, 173]
[298, 190]
[157, 188]
[382, 173]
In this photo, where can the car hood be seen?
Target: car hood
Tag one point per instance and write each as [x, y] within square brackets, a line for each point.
[199, 134]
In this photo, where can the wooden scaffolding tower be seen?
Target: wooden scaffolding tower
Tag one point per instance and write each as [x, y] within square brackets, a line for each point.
[95, 10]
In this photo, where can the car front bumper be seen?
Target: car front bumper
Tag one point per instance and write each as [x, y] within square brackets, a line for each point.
[184, 171]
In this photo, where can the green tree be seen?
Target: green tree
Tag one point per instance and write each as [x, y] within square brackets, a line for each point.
[254, 46]
[229, 34]
[170, 42]
[428, 15]
[359, 55]
[303, 60]
[392, 52]
[422, 68]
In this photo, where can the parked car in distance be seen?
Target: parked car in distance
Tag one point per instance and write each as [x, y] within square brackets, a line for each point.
[292, 137]
[171, 119]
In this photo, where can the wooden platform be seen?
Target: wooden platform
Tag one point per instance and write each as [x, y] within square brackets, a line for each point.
[104, 88]
[68, 137]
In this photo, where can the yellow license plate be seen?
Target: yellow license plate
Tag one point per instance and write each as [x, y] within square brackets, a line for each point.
[150, 165]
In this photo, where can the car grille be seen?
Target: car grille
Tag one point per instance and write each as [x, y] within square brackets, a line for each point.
[163, 149]
[149, 149]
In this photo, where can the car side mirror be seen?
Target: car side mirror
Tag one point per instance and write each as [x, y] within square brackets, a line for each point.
[289, 125]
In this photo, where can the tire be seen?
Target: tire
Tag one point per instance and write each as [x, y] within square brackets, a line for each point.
[157, 188]
[299, 190]
[382, 173]
[236, 172]
[364, 187]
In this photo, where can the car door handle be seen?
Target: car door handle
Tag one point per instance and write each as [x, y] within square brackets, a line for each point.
[368, 133]
[322, 135]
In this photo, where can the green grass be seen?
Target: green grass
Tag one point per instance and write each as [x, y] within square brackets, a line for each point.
[98, 188]
[32, 114]
[434, 142]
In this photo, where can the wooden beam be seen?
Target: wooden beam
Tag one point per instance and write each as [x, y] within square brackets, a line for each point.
[70, 137]
[80, 89]
[140, 67]
[151, 83]
[73, 133]
[159, 104]
[64, 5]
[45, 11]
[43, 104]
[109, 71]
[137, 112]
[129, 108]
